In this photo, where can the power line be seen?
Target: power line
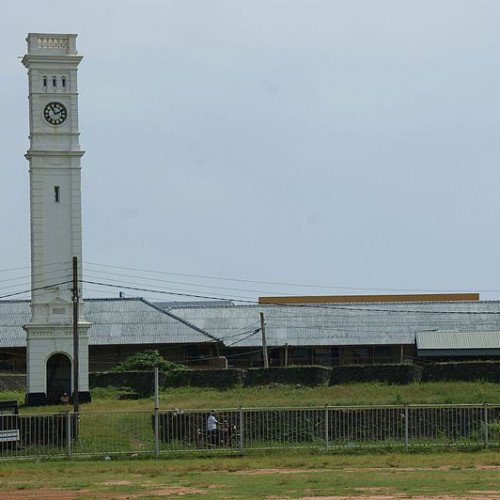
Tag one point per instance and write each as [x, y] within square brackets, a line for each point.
[116, 281]
[24, 284]
[244, 338]
[29, 267]
[175, 282]
[239, 332]
[34, 289]
[278, 283]
[165, 292]
[366, 309]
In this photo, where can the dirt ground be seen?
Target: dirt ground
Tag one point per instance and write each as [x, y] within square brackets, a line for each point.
[152, 490]
[177, 491]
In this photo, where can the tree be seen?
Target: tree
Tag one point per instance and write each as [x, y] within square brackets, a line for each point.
[147, 361]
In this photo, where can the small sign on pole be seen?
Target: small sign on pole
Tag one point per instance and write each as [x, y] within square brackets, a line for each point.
[264, 342]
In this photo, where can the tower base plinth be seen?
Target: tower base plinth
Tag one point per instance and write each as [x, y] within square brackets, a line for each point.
[40, 398]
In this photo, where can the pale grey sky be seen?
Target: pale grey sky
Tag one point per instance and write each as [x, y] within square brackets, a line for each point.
[349, 144]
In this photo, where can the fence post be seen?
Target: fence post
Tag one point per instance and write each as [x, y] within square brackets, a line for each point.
[406, 426]
[486, 430]
[242, 427]
[157, 404]
[327, 425]
[68, 434]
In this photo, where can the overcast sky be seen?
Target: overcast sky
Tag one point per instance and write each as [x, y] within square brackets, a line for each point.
[349, 144]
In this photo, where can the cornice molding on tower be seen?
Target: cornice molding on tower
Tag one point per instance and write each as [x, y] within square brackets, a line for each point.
[32, 153]
[68, 59]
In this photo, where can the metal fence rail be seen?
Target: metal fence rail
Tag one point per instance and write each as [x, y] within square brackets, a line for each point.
[243, 429]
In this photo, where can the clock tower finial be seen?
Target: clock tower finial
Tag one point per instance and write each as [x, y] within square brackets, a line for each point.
[56, 228]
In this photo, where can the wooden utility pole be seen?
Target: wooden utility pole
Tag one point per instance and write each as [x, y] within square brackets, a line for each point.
[76, 406]
[264, 343]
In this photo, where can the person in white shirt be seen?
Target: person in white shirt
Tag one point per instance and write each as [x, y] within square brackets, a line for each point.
[212, 427]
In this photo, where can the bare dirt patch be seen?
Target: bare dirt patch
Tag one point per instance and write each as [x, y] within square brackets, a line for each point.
[49, 494]
[117, 483]
[262, 472]
[487, 493]
[284, 470]
[42, 494]
[417, 469]
[169, 491]
[397, 495]
[375, 489]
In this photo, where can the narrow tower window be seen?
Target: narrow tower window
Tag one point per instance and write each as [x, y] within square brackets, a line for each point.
[63, 81]
[54, 81]
[45, 81]
[56, 194]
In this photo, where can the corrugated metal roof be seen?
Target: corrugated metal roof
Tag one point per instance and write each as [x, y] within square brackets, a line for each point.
[458, 340]
[114, 321]
[136, 321]
[13, 315]
[342, 324]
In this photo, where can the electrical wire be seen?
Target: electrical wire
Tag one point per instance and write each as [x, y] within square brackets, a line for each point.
[158, 280]
[244, 338]
[35, 289]
[46, 274]
[165, 292]
[239, 332]
[131, 283]
[365, 309]
[38, 265]
[278, 283]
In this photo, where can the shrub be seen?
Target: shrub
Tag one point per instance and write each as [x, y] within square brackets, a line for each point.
[302, 375]
[147, 361]
[390, 374]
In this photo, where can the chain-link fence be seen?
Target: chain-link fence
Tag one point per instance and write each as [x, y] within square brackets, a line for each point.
[244, 429]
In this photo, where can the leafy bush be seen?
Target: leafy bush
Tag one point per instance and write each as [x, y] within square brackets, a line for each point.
[147, 361]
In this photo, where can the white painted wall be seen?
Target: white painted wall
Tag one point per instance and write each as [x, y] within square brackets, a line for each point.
[56, 229]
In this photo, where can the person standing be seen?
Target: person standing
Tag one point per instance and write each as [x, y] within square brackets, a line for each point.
[212, 423]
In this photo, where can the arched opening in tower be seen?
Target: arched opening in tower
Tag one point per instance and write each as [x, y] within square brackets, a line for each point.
[58, 377]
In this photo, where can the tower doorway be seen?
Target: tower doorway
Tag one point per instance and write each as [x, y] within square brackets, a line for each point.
[58, 377]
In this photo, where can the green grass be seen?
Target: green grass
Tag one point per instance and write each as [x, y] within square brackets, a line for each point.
[352, 394]
[276, 473]
[291, 476]
[212, 475]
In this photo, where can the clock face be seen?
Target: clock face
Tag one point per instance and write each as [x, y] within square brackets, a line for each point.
[55, 113]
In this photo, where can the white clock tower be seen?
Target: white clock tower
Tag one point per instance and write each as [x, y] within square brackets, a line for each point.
[56, 228]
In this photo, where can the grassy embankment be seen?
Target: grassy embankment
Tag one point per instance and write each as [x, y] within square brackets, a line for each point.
[352, 394]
